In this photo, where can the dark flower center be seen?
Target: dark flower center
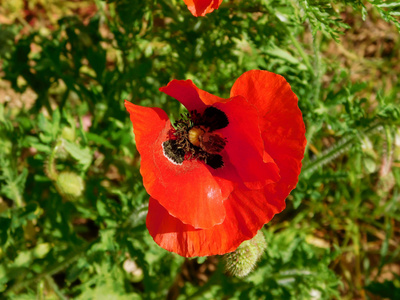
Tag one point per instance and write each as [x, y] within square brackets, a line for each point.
[194, 137]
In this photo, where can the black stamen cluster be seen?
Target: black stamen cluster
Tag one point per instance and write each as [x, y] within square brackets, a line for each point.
[180, 148]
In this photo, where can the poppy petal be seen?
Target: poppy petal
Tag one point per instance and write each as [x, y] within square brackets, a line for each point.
[246, 213]
[190, 95]
[245, 146]
[200, 204]
[202, 7]
[227, 176]
[283, 129]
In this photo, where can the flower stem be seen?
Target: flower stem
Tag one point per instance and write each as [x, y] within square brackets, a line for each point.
[50, 167]
[337, 149]
[302, 53]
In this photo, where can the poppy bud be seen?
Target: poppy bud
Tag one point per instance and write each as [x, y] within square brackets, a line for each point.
[242, 261]
[70, 185]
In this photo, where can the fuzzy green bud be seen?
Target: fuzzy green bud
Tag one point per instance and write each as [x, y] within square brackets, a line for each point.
[242, 261]
[70, 185]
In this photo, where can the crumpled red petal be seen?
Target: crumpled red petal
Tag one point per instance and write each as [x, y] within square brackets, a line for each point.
[245, 146]
[246, 213]
[202, 7]
[281, 123]
[190, 95]
[188, 191]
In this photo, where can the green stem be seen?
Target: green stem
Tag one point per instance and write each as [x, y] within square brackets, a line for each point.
[302, 53]
[51, 170]
[317, 71]
[40, 291]
[53, 285]
[333, 152]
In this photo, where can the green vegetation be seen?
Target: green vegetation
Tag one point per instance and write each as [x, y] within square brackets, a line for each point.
[72, 203]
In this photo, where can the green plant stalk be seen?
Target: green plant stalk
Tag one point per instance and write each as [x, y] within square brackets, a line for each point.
[317, 68]
[50, 166]
[337, 149]
[40, 291]
[53, 285]
[302, 53]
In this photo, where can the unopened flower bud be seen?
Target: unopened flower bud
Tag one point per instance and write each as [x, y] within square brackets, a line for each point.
[242, 261]
[70, 185]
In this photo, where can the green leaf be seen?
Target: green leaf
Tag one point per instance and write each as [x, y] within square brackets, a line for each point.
[82, 155]
[285, 55]
[98, 139]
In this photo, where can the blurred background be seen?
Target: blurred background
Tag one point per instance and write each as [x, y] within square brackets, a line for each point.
[72, 203]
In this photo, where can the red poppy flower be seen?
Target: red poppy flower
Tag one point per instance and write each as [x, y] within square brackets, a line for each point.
[199, 8]
[221, 172]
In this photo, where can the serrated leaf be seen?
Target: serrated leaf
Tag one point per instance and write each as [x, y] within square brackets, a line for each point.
[394, 4]
[15, 184]
[43, 124]
[56, 118]
[98, 139]
[42, 148]
[21, 179]
[285, 55]
[82, 155]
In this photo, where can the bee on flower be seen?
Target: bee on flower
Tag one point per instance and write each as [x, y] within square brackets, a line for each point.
[222, 171]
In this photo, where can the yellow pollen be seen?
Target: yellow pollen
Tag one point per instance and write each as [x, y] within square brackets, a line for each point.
[194, 135]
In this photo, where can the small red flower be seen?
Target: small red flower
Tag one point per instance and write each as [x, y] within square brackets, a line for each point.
[199, 8]
[224, 170]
